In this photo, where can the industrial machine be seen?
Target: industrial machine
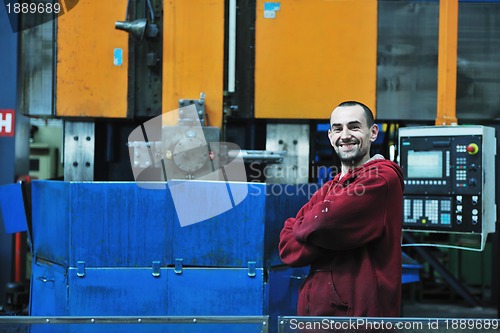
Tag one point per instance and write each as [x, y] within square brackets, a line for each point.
[175, 145]
[118, 249]
[449, 176]
[262, 77]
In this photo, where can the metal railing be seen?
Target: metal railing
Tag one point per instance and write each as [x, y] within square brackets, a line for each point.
[146, 323]
[286, 324]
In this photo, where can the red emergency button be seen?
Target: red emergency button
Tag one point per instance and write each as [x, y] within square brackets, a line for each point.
[472, 148]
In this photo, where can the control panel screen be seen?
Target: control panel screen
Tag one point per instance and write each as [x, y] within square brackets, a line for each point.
[445, 171]
[425, 164]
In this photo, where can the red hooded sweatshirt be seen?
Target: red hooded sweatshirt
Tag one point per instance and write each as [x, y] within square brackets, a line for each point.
[350, 234]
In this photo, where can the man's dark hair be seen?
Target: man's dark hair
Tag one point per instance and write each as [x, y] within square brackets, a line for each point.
[368, 113]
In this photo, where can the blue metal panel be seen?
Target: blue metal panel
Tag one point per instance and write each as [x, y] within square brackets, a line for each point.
[124, 225]
[284, 285]
[411, 269]
[215, 291]
[134, 324]
[230, 239]
[49, 295]
[98, 328]
[283, 201]
[103, 224]
[51, 220]
[107, 235]
[12, 210]
[212, 328]
[120, 224]
[117, 291]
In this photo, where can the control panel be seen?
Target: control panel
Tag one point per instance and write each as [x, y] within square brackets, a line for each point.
[449, 176]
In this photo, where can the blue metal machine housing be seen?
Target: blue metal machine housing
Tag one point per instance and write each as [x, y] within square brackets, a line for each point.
[118, 249]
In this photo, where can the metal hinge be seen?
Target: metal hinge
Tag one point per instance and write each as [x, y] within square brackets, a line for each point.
[252, 269]
[178, 266]
[80, 268]
[156, 268]
[198, 103]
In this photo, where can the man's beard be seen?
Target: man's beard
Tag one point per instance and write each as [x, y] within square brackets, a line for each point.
[352, 157]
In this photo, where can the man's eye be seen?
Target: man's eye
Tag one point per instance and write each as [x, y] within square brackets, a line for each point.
[337, 130]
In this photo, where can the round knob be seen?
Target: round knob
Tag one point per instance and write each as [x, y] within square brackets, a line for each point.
[190, 154]
[472, 148]
[472, 167]
[472, 182]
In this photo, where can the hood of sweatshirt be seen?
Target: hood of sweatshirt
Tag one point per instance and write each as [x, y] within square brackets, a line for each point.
[371, 167]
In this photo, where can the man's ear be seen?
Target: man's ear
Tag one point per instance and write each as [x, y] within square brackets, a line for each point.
[330, 136]
[373, 132]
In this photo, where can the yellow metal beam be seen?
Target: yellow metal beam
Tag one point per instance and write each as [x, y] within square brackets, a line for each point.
[89, 82]
[447, 63]
[193, 55]
[311, 55]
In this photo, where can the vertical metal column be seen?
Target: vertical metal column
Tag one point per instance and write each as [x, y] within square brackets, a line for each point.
[37, 67]
[14, 148]
[79, 150]
[8, 64]
[447, 62]
[294, 139]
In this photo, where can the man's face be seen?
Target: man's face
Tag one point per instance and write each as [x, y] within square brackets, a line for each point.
[350, 135]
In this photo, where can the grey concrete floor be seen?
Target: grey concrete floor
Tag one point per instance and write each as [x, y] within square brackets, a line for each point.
[446, 310]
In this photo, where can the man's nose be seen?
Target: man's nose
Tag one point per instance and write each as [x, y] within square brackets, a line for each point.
[345, 134]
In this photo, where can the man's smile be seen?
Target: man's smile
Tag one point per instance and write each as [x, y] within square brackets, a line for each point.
[347, 145]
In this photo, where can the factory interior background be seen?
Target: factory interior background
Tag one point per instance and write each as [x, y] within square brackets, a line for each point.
[100, 100]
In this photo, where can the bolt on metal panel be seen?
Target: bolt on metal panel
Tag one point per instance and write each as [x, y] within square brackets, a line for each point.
[79, 150]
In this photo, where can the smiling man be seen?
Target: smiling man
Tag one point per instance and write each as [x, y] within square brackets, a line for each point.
[350, 230]
[352, 130]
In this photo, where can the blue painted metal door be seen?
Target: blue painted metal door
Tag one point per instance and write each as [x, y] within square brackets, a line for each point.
[216, 292]
[49, 294]
[120, 225]
[231, 239]
[51, 221]
[117, 292]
